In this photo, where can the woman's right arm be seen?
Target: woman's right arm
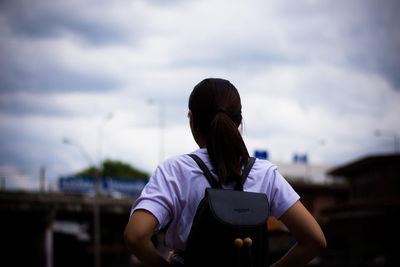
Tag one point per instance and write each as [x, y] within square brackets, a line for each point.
[310, 238]
[138, 235]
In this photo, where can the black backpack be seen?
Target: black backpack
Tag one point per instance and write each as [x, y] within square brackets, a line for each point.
[229, 227]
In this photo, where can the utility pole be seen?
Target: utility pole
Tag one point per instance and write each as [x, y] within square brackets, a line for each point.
[308, 175]
[42, 179]
[96, 220]
[162, 134]
[161, 126]
[395, 136]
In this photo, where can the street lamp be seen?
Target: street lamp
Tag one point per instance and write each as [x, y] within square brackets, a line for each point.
[108, 117]
[80, 148]
[96, 207]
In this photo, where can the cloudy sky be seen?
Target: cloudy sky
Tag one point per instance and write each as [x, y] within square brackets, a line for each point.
[109, 75]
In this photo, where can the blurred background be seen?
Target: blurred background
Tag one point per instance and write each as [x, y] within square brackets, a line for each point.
[93, 95]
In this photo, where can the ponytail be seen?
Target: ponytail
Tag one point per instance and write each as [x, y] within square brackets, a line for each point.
[216, 109]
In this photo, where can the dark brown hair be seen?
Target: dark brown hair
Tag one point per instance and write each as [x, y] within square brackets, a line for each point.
[217, 114]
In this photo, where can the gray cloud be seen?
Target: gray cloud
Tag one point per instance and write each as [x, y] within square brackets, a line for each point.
[47, 78]
[308, 69]
[378, 48]
[25, 149]
[46, 19]
[52, 26]
[29, 105]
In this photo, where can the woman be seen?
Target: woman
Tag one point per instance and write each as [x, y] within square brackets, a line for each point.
[177, 186]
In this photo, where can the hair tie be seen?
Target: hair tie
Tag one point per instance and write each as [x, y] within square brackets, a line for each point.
[221, 110]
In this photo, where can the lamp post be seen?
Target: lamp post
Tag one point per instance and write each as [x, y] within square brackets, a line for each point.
[80, 148]
[96, 208]
[321, 142]
[108, 117]
[161, 125]
[396, 140]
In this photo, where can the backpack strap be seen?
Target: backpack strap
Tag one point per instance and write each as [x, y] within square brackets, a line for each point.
[245, 173]
[247, 169]
[213, 182]
[206, 171]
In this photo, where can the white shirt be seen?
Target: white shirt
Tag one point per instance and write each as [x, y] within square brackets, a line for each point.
[177, 186]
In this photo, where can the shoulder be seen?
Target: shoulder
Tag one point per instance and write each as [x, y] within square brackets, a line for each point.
[263, 176]
[182, 165]
[263, 167]
[177, 163]
[281, 195]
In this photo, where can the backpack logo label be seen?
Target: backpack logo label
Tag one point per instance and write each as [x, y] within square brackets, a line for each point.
[242, 210]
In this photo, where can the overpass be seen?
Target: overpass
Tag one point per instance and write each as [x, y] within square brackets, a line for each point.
[62, 202]
[30, 239]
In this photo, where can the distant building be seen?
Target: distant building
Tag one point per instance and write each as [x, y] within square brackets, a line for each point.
[306, 172]
[365, 229]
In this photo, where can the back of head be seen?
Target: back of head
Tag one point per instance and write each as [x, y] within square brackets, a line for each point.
[217, 114]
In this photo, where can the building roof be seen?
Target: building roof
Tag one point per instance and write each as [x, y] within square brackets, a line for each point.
[359, 164]
[320, 189]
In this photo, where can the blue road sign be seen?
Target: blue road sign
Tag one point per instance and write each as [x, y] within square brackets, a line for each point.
[261, 154]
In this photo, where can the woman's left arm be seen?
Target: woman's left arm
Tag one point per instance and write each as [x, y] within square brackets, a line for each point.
[138, 235]
[310, 238]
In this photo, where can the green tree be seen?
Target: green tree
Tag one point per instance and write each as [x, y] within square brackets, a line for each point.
[115, 169]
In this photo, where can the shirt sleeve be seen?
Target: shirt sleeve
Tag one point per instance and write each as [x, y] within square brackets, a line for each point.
[282, 195]
[156, 198]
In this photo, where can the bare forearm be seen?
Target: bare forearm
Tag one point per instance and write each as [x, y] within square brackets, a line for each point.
[298, 255]
[305, 229]
[137, 237]
[147, 254]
